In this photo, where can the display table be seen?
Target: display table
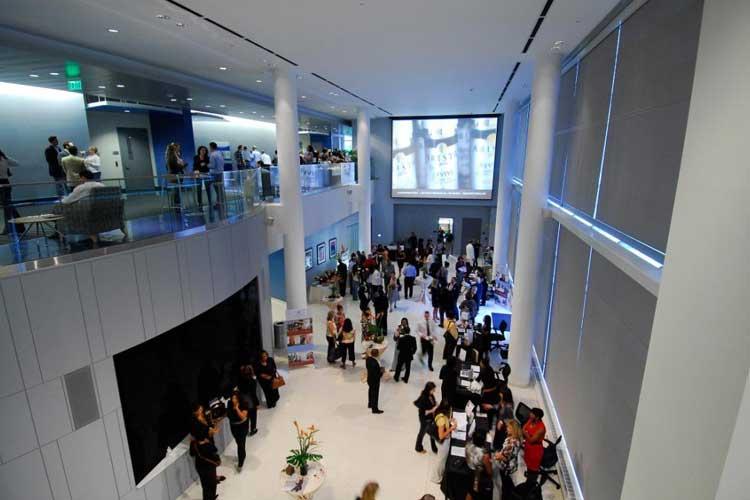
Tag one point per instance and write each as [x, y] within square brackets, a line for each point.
[303, 487]
[367, 345]
[317, 293]
[40, 222]
[332, 303]
[458, 477]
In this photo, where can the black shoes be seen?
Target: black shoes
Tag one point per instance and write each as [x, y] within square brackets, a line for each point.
[377, 411]
[253, 432]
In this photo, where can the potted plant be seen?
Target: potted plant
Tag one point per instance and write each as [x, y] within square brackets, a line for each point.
[304, 453]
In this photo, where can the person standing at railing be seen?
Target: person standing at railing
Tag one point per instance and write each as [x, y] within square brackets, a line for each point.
[175, 168]
[239, 158]
[93, 162]
[52, 156]
[200, 169]
[73, 165]
[216, 166]
[6, 200]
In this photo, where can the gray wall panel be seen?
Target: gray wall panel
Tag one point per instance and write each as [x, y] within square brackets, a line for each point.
[117, 453]
[56, 472]
[50, 411]
[25, 479]
[18, 321]
[87, 289]
[17, 435]
[144, 293]
[106, 384]
[10, 373]
[166, 292]
[201, 287]
[87, 463]
[220, 249]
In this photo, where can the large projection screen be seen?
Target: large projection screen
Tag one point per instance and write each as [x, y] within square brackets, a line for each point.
[447, 157]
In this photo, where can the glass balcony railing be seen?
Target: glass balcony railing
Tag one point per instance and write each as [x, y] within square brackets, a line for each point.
[102, 213]
[313, 178]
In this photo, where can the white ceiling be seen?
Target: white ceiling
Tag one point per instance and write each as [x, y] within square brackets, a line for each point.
[409, 57]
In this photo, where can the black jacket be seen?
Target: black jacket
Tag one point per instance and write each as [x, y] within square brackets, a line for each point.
[424, 403]
[407, 346]
[373, 371]
[53, 163]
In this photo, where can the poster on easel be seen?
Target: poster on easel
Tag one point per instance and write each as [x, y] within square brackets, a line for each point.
[300, 346]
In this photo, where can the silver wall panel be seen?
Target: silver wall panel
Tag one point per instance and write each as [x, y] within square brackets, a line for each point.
[10, 373]
[144, 293]
[85, 277]
[117, 453]
[56, 472]
[156, 489]
[87, 463]
[241, 254]
[17, 435]
[119, 304]
[56, 320]
[166, 291]
[184, 269]
[25, 479]
[106, 384]
[220, 249]
[178, 476]
[50, 411]
[200, 275]
[18, 320]
[136, 494]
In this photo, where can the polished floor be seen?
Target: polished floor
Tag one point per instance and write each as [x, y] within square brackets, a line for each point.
[357, 446]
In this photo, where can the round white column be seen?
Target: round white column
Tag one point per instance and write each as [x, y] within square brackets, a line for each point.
[363, 172]
[285, 99]
[504, 189]
[536, 176]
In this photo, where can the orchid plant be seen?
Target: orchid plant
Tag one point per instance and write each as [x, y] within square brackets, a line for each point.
[307, 444]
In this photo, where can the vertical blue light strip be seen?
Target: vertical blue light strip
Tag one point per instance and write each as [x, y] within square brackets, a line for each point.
[551, 301]
[609, 114]
[583, 309]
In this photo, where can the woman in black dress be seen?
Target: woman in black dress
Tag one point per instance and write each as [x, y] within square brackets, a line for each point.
[248, 387]
[266, 373]
[449, 376]
[200, 167]
[237, 412]
[427, 406]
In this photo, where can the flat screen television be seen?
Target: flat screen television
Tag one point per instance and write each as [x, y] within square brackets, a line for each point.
[446, 158]
[196, 361]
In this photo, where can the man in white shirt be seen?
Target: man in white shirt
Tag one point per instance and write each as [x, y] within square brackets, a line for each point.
[375, 280]
[216, 167]
[254, 157]
[470, 257]
[84, 189]
[265, 159]
[426, 339]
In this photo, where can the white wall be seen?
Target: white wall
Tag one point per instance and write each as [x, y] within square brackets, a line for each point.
[57, 320]
[103, 132]
[259, 134]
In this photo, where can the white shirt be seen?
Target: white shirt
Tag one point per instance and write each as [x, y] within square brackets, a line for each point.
[4, 164]
[375, 279]
[93, 162]
[470, 251]
[265, 159]
[81, 191]
[422, 330]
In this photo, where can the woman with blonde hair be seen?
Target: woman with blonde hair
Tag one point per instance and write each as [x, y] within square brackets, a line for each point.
[505, 460]
[175, 166]
[369, 491]
[331, 332]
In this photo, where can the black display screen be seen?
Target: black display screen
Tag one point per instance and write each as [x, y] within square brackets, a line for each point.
[194, 362]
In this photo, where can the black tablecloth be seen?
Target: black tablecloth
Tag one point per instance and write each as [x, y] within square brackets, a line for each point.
[463, 394]
[457, 478]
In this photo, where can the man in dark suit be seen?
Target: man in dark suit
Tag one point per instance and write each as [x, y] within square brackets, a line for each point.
[407, 347]
[374, 373]
[51, 154]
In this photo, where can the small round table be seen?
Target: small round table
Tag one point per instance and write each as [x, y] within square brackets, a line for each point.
[304, 487]
[40, 221]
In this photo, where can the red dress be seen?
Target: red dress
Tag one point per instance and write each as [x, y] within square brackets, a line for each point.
[532, 452]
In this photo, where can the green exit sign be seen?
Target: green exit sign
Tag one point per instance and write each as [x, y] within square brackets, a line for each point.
[75, 85]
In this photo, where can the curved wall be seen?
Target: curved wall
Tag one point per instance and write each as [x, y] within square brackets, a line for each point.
[63, 436]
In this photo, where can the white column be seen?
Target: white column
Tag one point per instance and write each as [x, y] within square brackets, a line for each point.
[504, 189]
[699, 353]
[536, 176]
[363, 172]
[285, 98]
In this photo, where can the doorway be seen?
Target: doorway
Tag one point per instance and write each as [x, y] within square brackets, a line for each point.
[135, 155]
[446, 224]
[471, 230]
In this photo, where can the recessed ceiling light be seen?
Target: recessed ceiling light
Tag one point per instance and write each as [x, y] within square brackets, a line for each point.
[54, 74]
[242, 112]
[344, 111]
[180, 25]
[304, 97]
[102, 86]
[162, 16]
[34, 75]
[222, 105]
[120, 86]
[173, 99]
[258, 81]
[333, 107]
[189, 99]
[113, 30]
[127, 111]
[223, 68]
[208, 105]
[255, 112]
[262, 116]
[299, 77]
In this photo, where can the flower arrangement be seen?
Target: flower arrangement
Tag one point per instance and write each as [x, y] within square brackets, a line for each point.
[307, 444]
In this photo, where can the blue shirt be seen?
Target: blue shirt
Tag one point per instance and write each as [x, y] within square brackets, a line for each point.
[216, 162]
[410, 271]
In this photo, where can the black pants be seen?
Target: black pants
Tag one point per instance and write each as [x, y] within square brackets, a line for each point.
[373, 391]
[382, 322]
[403, 363]
[423, 422]
[429, 350]
[342, 287]
[239, 432]
[252, 414]
[408, 288]
[272, 395]
[347, 349]
[331, 357]
[207, 476]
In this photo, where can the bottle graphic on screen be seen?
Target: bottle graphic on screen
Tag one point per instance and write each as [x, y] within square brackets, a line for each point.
[483, 153]
[404, 176]
[442, 155]
[464, 146]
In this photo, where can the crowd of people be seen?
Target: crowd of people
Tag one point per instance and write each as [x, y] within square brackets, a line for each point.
[311, 156]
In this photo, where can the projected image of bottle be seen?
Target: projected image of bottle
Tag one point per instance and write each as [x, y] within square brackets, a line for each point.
[404, 176]
[483, 153]
[464, 134]
[420, 156]
[443, 171]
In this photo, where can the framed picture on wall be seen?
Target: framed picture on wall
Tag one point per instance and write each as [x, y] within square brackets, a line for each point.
[321, 248]
[308, 259]
[332, 248]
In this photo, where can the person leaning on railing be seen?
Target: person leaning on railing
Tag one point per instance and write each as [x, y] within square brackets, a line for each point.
[72, 165]
[6, 200]
[216, 166]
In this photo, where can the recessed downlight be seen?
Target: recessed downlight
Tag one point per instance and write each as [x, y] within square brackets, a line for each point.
[180, 25]
[102, 87]
[127, 111]
[34, 75]
[255, 112]
[258, 81]
[303, 97]
[242, 112]
[222, 105]
[208, 105]
[262, 116]
[162, 16]
[54, 74]
[223, 68]
[173, 100]
[189, 99]
[120, 86]
[113, 30]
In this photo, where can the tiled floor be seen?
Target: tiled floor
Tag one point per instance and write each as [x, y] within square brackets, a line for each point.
[357, 446]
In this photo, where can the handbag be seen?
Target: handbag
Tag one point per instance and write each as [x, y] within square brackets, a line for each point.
[278, 381]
